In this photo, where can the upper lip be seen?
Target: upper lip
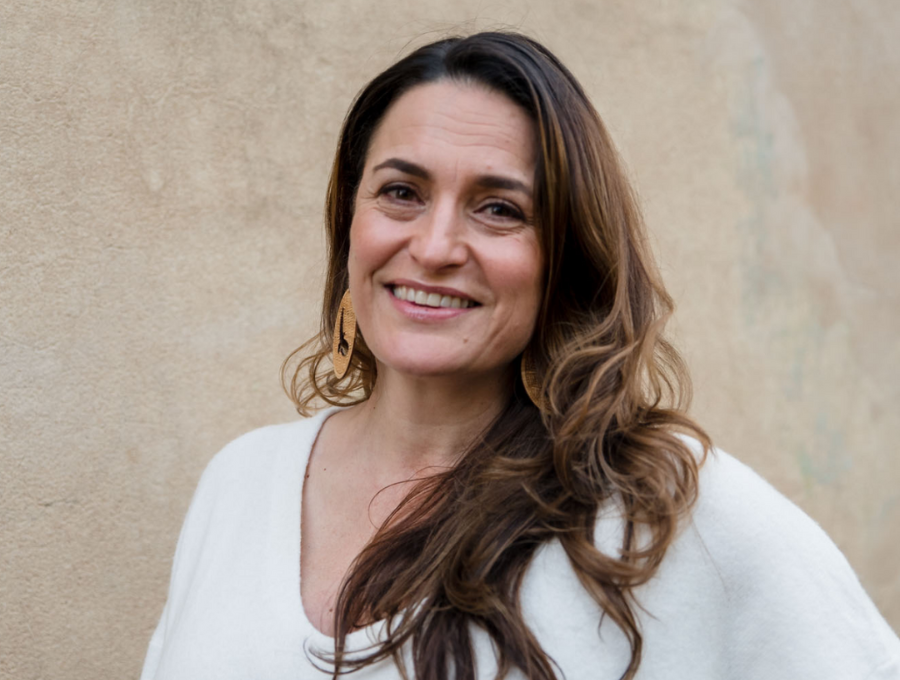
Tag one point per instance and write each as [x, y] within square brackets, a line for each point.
[440, 290]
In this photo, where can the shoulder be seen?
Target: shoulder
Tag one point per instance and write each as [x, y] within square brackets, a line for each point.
[238, 490]
[791, 597]
[738, 516]
[746, 523]
[757, 538]
[256, 455]
[258, 449]
[241, 478]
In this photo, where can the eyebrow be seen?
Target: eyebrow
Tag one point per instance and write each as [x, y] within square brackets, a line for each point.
[485, 181]
[405, 167]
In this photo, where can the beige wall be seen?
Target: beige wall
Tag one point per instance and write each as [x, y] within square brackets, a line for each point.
[162, 167]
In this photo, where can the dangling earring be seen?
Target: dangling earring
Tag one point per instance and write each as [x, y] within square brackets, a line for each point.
[530, 380]
[344, 336]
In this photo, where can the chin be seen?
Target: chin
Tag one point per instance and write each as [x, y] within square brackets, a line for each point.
[423, 367]
[417, 354]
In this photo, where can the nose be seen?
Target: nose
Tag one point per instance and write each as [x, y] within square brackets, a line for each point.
[438, 239]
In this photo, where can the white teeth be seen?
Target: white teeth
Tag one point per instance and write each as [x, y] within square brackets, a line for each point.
[420, 297]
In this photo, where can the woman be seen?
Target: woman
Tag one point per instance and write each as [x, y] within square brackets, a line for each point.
[504, 489]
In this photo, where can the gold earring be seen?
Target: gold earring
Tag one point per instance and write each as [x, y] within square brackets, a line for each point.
[530, 380]
[344, 336]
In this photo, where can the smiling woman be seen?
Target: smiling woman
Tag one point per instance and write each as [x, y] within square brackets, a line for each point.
[444, 212]
[507, 483]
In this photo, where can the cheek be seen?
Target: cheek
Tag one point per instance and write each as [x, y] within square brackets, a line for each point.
[520, 276]
[370, 248]
[528, 269]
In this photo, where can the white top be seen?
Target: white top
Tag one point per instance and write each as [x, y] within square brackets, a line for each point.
[752, 588]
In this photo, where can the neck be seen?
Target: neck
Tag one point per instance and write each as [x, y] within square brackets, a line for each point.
[411, 423]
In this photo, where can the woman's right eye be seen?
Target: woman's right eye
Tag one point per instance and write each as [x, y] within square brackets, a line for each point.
[399, 192]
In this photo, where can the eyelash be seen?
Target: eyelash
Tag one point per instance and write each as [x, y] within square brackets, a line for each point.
[512, 212]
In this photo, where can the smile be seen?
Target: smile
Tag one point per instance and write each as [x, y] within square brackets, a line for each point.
[426, 299]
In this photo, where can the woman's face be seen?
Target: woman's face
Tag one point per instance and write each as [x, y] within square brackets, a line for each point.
[445, 264]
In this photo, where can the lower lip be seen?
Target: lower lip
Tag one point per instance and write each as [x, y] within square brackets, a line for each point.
[423, 313]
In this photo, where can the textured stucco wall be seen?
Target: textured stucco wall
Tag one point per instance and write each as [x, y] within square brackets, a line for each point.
[162, 167]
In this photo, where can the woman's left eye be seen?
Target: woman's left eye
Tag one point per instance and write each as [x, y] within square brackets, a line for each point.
[503, 211]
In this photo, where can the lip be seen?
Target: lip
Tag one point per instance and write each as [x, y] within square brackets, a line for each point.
[422, 313]
[440, 290]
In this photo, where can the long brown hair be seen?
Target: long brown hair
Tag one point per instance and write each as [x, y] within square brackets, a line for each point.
[455, 551]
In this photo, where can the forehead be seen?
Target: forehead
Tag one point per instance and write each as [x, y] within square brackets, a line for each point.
[459, 122]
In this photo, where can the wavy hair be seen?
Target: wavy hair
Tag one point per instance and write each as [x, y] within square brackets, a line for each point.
[614, 394]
